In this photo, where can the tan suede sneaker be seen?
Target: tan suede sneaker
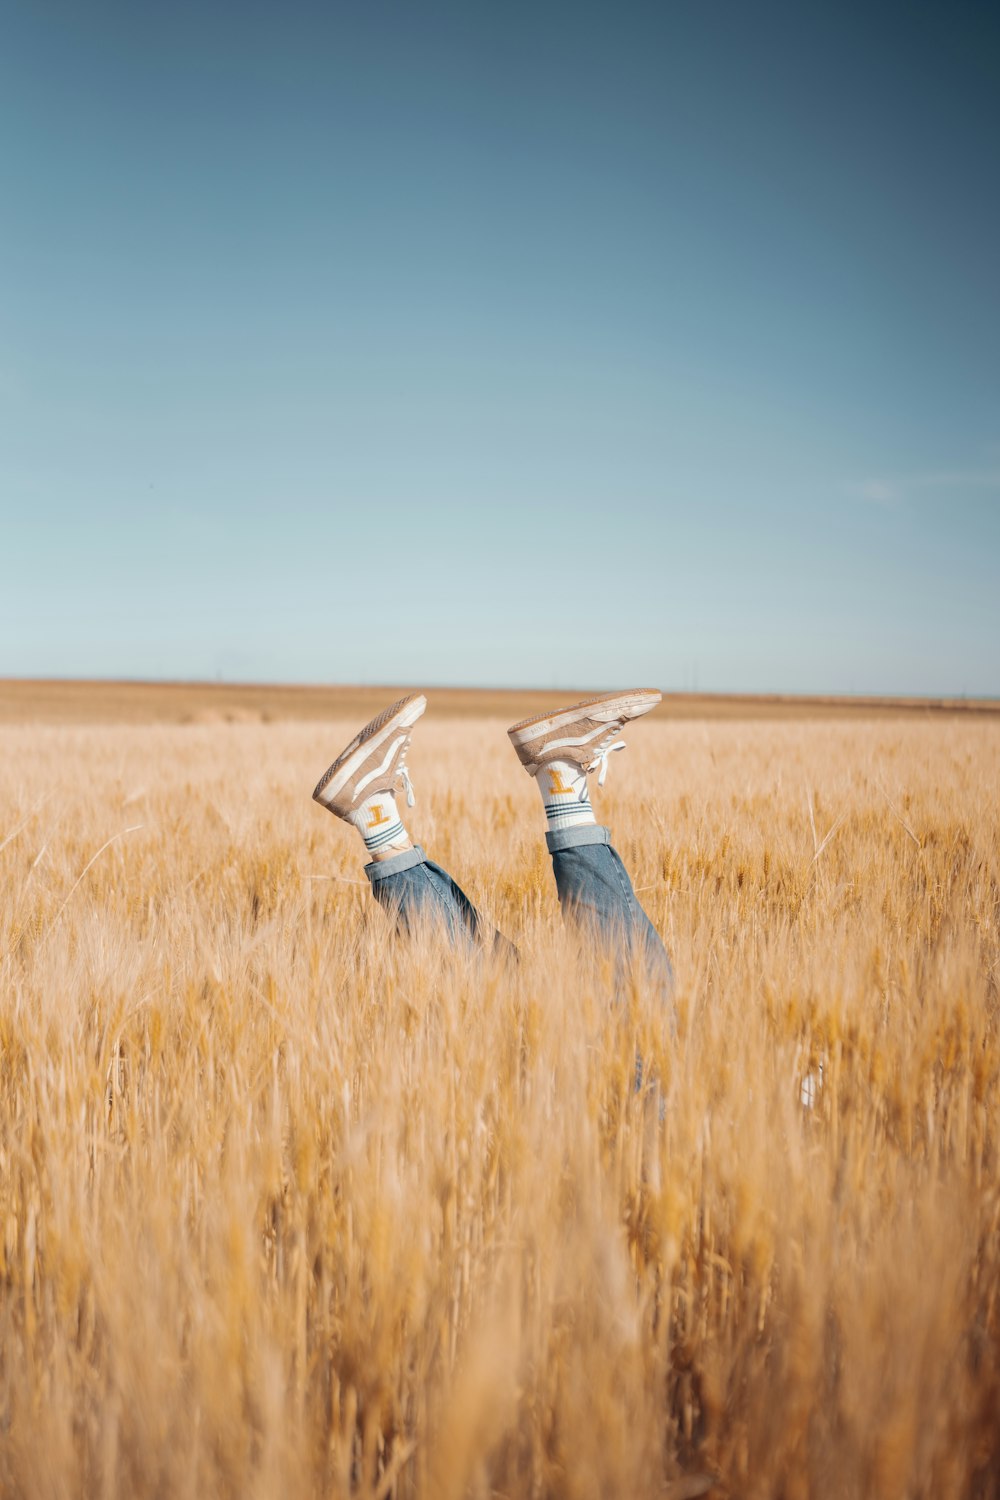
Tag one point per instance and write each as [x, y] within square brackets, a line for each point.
[374, 760]
[581, 735]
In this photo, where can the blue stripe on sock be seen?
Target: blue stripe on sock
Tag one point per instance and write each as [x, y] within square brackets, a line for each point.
[387, 836]
[393, 830]
[556, 810]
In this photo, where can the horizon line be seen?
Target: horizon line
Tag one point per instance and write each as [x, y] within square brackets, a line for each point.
[767, 695]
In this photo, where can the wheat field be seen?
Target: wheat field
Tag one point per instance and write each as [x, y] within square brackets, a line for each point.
[289, 1208]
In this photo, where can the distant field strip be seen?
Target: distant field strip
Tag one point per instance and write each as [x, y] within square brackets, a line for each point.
[80, 702]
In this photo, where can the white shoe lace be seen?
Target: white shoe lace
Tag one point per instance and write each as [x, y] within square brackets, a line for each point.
[601, 759]
[404, 776]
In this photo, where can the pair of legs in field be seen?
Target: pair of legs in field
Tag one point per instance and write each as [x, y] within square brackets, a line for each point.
[559, 749]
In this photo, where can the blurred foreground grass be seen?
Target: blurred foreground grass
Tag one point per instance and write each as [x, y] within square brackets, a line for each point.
[290, 1209]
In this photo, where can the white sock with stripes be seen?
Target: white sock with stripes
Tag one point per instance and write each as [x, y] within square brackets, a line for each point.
[564, 791]
[379, 823]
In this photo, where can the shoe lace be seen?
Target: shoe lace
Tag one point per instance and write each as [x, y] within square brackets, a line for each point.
[601, 759]
[403, 772]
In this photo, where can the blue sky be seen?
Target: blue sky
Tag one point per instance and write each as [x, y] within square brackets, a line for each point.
[557, 345]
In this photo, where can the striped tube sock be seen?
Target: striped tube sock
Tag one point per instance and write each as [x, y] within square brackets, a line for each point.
[379, 823]
[564, 791]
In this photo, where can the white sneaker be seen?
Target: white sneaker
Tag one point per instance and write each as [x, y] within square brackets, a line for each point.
[584, 734]
[374, 760]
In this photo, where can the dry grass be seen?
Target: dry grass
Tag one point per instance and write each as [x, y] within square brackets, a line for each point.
[290, 1209]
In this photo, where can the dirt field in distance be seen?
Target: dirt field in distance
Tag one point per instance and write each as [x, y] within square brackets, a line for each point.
[107, 702]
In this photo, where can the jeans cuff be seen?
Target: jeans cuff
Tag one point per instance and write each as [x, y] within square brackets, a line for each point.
[575, 838]
[381, 869]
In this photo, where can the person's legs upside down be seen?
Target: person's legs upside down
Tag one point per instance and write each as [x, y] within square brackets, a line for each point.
[560, 749]
[360, 788]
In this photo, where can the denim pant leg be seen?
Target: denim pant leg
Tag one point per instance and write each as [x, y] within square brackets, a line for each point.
[412, 889]
[595, 889]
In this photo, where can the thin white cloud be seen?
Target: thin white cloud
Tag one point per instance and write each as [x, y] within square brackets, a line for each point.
[892, 492]
[957, 479]
[875, 491]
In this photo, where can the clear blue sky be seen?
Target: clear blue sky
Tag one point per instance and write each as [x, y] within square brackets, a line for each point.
[553, 344]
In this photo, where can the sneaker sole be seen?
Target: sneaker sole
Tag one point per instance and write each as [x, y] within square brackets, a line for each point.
[639, 700]
[399, 715]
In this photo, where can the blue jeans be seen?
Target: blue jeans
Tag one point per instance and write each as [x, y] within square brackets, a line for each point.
[594, 891]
